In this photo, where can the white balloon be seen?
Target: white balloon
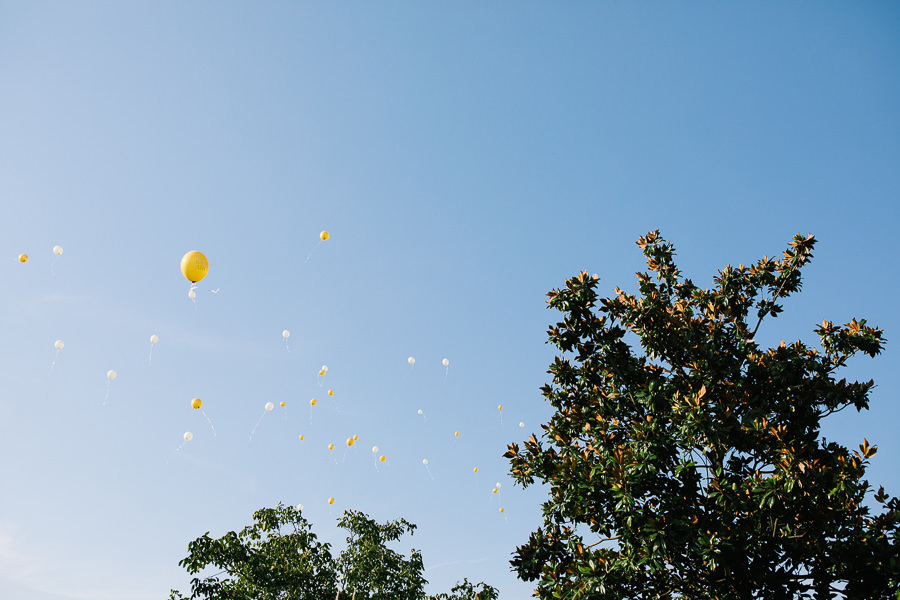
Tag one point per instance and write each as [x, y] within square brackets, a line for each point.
[110, 374]
[425, 461]
[324, 368]
[57, 250]
[521, 424]
[445, 362]
[269, 406]
[374, 449]
[300, 507]
[411, 360]
[154, 338]
[192, 294]
[420, 411]
[285, 334]
[58, 345]
[498, 485]
[188, 436]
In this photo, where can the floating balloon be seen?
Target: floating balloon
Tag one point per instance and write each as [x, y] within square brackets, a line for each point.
[283, 404]
[425, 462]
[456, 434]
[503, 511]
[350, 441]
[322, 237]
[445, 362]
[286, 334]
[325, 368]
[57, 250]
[194, 266]
[196, 403]
[382, 458]
[301, 437]
[374, 449]
[312, 402]
[494, 491]
[500, 408]
[58, 344]
[321, 376]
[188, 436]
[331, 446]
[300, 507]
[498, 485]
[475, 470]
[331, 392]
[422, 412]
[153, 339]
[110, 375]
[331, 501]
[268, 408]
[23, 258]
[411, 360]
[521, 424]
[356, 438]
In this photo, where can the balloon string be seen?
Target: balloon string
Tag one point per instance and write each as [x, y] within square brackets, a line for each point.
[429, 472]
[311, 251]
[211, 425]
[107, 392]
[175, 451]
[150, 358]
[54, 360]
[257, 425]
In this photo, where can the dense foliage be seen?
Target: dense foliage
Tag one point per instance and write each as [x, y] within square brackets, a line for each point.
[263, 562]
[693, 466]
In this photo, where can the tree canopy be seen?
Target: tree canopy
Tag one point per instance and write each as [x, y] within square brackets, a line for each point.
[685, 461]
[278, 557]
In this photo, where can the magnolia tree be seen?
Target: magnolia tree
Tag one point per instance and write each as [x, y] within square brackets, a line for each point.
[278, 557]
[692, 466]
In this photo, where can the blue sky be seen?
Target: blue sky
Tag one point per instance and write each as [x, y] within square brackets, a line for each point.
[466, 158]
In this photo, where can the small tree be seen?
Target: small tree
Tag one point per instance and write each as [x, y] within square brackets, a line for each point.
[694, 468]
[261, 562]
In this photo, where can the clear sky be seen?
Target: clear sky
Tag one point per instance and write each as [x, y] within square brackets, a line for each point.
[466, 158]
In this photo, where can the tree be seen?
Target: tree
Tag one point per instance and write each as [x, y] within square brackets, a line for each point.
[261, 562]
[693, 466]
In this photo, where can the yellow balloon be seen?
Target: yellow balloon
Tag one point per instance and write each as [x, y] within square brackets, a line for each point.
[196, 403]
[331, 501]
[194, 266]
[356, 437]
[23, 258]
[312, 402]
[349, 441]
[456, 434]
[476, 469]
[494, 491]
[382, 459]
[331, 392]
[501, 510]
[322, 373]
[301, 437]
[323, 236]
[283, 404]
[331, 446]
[500, 407]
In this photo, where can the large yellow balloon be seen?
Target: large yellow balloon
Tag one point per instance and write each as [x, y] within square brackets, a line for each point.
[196, 403]
[323, 236]
[23, 258]
[194, 266]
